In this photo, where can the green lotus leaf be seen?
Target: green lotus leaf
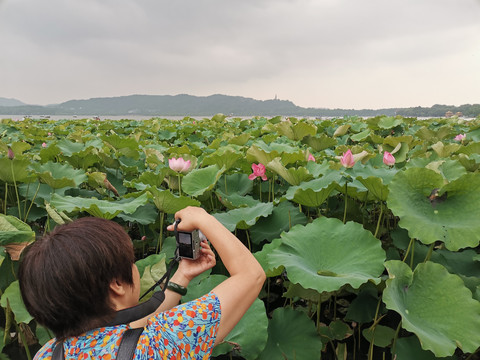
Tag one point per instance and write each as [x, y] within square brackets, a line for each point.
[432, 135]
[237, 183]
[320, 142]
[264, 255]
[169, 203]
[199, 181]
[409, 348]
[291, 335]
[235, 201]
[393, 141]
[257, 154]
[449, 214]
[364, 307]
[327, 254]
[450, 169]
[151, 260]
[241, 139]
[148, 178]
[68, 148]
[341, 130]
[283, 218]
[243, 218]
[428, 300]
[99, 208]
[153, 268]
[470, 149]
[262, 153]
[145, 215]
[295, 291]
[292, 175]
[296, 131]
[19, 147]
[20, 173]
[318, 169]
[124, 145]
[375, 187]
[12, 297]
[443, 150]
[336, 330]
[314, 192]
[388, 122]
[361, 135]
[58, 175]
[224, 157]
[381, 336]
[13, 230]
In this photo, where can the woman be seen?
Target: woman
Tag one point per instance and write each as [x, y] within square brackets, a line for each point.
[75, 279]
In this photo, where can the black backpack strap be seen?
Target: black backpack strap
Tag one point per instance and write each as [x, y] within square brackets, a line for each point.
[58, 351]
[128, 344]
[126, 349]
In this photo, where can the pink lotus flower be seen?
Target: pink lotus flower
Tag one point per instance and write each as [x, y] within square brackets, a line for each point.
[49, 134]
[388, 159]
[179, 165]
[258, 171]
[11, 154]
[44, 145]
[311, 157]
[347, 159]
[460, 137]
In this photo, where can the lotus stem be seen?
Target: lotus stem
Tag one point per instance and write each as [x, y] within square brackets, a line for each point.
[16, 191]
[248, 241]
[179, 186]
[345, 210]
[429, 254]
[396, 336]
[408, 250]
[370, 349]
[5, 203]
[260, 191]
[226, 190]
[24, 341]
[318, 311]
[160, 235]
[31, 204]
[379, 219]
[25, 201]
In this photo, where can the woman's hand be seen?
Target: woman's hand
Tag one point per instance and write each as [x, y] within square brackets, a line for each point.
[192, 268]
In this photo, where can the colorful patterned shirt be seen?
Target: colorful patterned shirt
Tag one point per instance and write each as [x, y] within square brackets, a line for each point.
[187, 331]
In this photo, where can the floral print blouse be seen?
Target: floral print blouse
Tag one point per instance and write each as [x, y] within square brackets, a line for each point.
[187, 331]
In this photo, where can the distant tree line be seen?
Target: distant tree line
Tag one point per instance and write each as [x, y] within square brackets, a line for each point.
[188, 105]
[466, 110]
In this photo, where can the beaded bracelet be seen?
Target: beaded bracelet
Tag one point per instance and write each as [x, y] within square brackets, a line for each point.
[179, 289]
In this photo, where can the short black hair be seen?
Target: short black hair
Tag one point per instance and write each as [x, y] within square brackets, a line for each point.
[65, 276]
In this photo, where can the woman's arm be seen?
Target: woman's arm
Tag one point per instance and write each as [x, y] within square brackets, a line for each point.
[238, 292]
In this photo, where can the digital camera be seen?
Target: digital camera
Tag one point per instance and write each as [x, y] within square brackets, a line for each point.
[188, 244]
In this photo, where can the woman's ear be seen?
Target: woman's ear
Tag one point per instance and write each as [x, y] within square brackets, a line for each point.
[117, 287]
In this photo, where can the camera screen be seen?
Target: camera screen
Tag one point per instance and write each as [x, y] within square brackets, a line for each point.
[185, 245]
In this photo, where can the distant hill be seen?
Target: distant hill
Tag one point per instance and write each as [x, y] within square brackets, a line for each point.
[188, 105]
[10, 102]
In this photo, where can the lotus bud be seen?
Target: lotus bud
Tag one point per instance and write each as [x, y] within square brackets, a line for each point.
[11, 154]
[347, 159]
[388, 159]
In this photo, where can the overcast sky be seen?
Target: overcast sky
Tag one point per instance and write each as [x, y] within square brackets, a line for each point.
[316, 53]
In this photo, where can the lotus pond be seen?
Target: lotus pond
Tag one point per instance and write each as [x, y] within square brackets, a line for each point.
[367, 229]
